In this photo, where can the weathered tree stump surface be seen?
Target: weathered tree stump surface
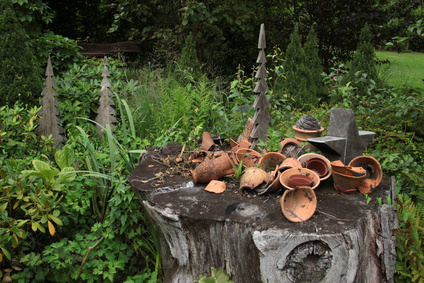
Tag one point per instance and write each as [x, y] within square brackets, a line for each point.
[249, 237]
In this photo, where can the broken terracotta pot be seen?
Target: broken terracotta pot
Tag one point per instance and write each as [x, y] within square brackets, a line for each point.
[236, 146]
[216, 187]
[304, 135]
[289, 163]
[249, 157]
[212, 169]
[274, 184]
[299, 205]
[248, 128]
[347, 178]
[374, 173]
[306, 157]
[252, 178]
[285, 177]
[270, 160]
[207, 142]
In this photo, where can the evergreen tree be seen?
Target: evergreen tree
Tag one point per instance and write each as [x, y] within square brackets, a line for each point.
[20, 78]
[295, 70]
[189, 60]
[363, 63]
[315, 87]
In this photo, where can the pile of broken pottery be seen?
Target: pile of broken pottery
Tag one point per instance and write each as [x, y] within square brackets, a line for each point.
[290, 171]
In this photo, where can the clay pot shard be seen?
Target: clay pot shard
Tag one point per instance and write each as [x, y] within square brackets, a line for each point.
[212, 169]
[216, 187]
[299, 205]
[373, 170]
[207, 142]
[252, 178]
[289, 163]
[274, 183]
[249, 157]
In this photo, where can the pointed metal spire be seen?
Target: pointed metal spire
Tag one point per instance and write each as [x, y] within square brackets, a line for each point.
[262, 117]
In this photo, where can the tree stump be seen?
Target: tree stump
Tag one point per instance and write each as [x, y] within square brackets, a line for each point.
[346, 240]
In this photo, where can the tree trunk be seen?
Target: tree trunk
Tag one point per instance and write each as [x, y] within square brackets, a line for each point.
[346, 240]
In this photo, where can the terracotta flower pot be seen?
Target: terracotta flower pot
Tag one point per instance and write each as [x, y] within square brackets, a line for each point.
[207, 142]
[212, 169]
[304, 135]
[252, 178]
[270, 160]
[249, 157]
[288, 141]
[299, 205]
[347, 184]
[374, 173]
[285, 177]
[300, 181]
[306, 157]
[289, 163]
[318, 165]
[216, 187]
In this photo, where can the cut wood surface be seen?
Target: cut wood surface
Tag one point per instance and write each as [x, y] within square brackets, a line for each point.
[250, 238]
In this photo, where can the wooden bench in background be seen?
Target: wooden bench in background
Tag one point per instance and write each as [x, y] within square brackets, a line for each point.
[108, 49]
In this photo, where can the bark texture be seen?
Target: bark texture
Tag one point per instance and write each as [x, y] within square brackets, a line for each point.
[346, 239]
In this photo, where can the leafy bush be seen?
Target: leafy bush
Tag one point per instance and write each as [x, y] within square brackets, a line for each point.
[20, 78]
[364, 63]
[64, 52]
[410, 255]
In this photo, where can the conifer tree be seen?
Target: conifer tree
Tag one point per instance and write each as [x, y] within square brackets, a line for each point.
[363, 63]
[189, 60]
[315, 89]
[20, 78]
[295, 70]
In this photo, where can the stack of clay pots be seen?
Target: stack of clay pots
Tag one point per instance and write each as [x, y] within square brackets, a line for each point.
[363, 173]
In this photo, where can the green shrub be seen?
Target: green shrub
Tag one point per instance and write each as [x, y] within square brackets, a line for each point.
[20, 76]
[409, 248]
[363, 67]
[301, 71]
[64, 52]
[315, 89]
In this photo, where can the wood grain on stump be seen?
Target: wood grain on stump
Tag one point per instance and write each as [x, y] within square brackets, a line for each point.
[346, 240]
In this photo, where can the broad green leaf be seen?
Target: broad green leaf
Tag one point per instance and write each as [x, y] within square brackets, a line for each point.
[64, 158]
[3, 206]
[66, 175]
[55, 219]
[6, 253]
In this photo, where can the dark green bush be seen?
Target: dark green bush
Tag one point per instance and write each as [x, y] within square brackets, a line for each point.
[20, 76]
[363, 66]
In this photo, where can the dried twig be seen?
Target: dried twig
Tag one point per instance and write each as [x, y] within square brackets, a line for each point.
[332, 217]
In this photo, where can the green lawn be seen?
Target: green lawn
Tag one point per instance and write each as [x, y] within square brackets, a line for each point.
[404, 69]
